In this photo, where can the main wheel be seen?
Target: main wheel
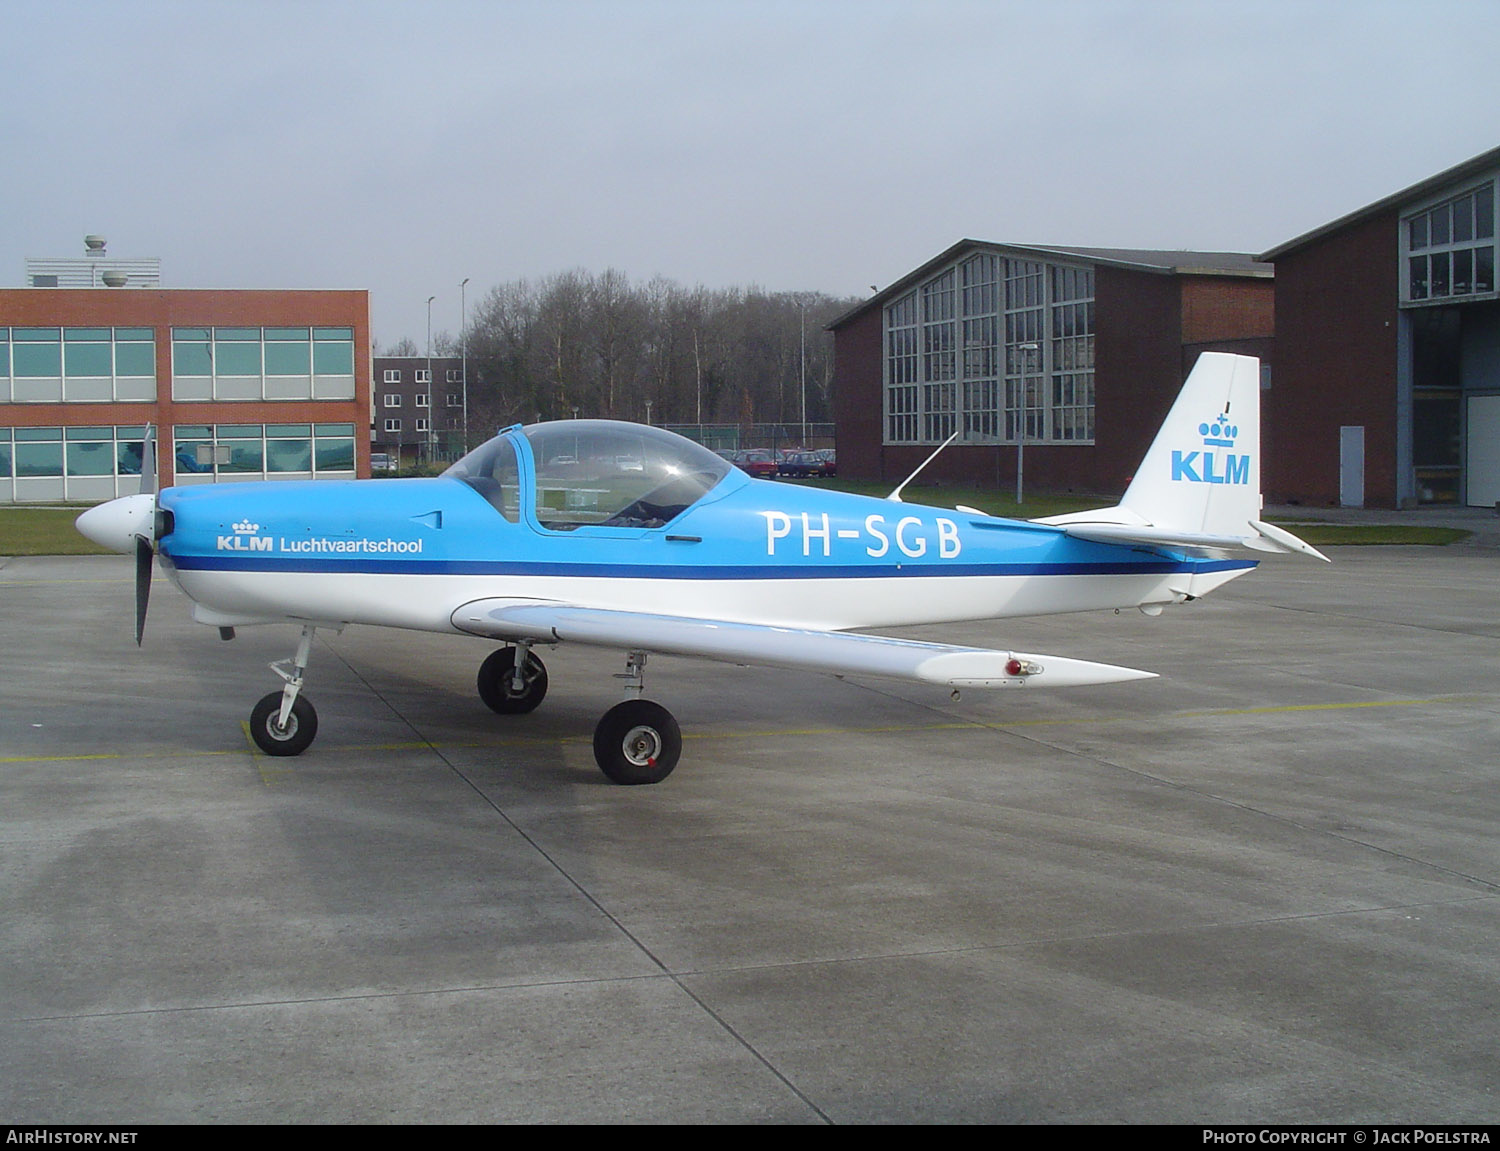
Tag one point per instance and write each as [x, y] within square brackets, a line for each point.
[295, 738]
[497, 686]
[637, 742]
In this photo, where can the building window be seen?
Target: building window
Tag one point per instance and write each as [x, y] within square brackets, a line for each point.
[421, 400]
[997, 348]
[455, 400]
[70, 462]
[207, 453]
[901, 370]
[393, 426]
[77, 365]
[455, 376]
[393, 375]
[1450, 248]
[424, 425]
[393, 399]
[262, 364]
[423, 376]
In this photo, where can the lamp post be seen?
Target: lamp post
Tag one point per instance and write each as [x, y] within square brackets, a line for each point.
[429, 377]
[463, 313]
[802, 306]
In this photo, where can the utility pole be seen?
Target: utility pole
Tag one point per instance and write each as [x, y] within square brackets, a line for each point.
[429, 378]
[463, 314]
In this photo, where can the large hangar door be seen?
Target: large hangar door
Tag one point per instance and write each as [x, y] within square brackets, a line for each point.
[1482, 457]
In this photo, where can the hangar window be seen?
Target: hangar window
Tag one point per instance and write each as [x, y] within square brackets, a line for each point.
[901, 370]
[1450, 248]
[1000, 348]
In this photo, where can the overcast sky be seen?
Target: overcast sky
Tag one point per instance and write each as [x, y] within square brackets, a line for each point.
[814, 144]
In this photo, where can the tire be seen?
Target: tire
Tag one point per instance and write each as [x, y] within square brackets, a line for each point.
[301, 726]
[496, 689]
[637, 742]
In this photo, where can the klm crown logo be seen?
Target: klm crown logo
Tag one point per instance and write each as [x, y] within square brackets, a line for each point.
[245, 527]
[1220, 433]
[1209, 465]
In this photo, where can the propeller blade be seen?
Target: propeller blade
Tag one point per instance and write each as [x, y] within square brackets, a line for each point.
[144, 554]
[148, 463]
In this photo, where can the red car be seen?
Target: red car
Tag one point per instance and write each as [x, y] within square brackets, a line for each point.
[758, 462]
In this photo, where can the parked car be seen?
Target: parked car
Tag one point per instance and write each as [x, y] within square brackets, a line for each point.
[830, 459]
[802, 465]
[759, 462]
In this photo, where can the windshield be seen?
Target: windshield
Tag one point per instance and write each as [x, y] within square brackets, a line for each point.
[492, 471]
[596, 472]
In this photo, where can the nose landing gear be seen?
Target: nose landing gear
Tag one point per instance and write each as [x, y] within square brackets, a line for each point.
[285, 722]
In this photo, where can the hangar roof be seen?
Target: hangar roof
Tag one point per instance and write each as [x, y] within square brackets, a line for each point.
[1152, 261]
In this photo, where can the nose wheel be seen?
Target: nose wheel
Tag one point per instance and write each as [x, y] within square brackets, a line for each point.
[273, 736]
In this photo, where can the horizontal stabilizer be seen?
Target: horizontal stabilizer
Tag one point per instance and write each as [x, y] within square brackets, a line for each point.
[1282, 540]
[836, 653]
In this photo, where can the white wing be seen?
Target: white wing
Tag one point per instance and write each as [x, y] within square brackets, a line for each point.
[838, 653]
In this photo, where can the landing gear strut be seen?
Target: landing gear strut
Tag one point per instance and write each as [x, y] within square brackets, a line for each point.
[284, 722]
[636, 742]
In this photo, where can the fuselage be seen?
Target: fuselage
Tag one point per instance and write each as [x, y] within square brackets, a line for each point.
[408, 553]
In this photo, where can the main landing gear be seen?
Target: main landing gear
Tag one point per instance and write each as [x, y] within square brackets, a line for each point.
[636, 742]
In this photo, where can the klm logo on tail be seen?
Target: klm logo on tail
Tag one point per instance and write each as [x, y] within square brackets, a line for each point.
[1208, 465]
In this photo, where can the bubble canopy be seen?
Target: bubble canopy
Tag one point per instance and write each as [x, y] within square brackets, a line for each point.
[593, 473]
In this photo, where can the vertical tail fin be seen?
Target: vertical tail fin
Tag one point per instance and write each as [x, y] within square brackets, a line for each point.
[1199, 484]
[1202, 472]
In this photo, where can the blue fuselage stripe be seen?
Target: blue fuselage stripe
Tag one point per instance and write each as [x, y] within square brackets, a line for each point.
[695, 572]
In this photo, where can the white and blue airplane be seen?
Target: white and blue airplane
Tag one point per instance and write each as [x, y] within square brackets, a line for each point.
[630, 537]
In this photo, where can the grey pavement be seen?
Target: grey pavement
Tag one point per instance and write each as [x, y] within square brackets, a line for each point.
[1264, 888]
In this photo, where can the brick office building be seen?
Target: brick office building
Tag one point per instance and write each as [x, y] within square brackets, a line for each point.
[239, 385]
[419, 408]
